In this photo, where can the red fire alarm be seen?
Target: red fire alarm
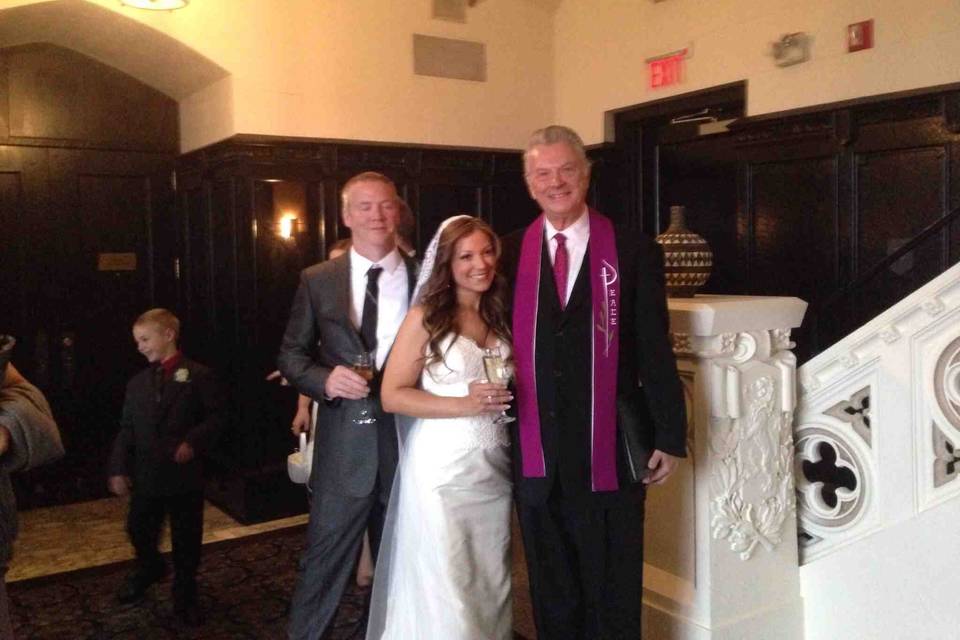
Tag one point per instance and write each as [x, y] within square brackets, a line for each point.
[860, 36]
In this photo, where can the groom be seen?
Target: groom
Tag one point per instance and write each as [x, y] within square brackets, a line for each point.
[589, 327]
[349, 305]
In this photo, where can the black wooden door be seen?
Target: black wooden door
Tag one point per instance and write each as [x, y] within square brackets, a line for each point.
[86, 230]
[23, 190]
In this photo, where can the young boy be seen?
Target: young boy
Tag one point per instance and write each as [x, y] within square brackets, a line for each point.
[172, 413]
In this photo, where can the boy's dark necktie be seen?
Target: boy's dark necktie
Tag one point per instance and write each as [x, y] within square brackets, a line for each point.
[368, 319]
[158, 375]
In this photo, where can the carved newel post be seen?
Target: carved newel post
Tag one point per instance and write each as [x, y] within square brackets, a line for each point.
[721, 548]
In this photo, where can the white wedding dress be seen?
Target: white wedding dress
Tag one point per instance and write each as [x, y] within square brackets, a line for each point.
[444, 566]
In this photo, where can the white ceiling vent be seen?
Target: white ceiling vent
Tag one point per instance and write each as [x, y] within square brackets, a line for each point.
[448, 58]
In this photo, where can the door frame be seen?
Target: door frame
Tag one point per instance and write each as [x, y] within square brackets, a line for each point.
[636, 147]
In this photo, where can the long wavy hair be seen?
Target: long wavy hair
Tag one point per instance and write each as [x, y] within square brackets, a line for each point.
[439, 298]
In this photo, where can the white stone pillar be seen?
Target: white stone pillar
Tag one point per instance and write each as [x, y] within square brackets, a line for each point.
[721, 535]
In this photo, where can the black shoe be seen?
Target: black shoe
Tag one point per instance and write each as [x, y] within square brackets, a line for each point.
[136, 584]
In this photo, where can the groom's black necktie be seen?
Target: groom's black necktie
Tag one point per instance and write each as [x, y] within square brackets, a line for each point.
[368, 319]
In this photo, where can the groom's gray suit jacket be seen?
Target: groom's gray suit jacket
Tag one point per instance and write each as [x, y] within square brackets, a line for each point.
[320, 336]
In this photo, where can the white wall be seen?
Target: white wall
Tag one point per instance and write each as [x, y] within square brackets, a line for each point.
[207, 115]
[601, 45]
[344, 69]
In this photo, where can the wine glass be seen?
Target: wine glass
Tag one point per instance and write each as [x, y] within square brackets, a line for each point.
[362, 364]
[497, 372]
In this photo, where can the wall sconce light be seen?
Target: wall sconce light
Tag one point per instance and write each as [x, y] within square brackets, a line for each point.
[155, 5]
[288, 225]
[792, 48]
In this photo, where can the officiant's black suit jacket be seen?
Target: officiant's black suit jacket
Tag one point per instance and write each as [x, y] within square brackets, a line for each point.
[564, 373]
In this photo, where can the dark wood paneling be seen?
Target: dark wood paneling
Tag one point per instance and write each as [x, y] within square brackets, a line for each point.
[13, 240]
[899, 193]
[352, 159]
[279, 259]
[704, 182]
[821, 195]
[511, 207]
[793, 210]
[437, 202]
[606, 181]
[26, 197]
[225, 284]
[197, 273]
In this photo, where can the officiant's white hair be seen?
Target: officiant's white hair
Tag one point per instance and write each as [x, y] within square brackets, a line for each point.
[554, 134]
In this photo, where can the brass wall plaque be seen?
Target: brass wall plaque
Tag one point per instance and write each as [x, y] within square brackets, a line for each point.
[116, 262]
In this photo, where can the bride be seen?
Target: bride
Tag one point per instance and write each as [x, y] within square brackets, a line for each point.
[444, 565]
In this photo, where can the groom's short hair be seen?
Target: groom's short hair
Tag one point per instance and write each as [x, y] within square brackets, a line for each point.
[366, 176]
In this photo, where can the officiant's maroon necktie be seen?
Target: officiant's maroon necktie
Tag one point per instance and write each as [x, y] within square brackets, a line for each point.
[561, 264]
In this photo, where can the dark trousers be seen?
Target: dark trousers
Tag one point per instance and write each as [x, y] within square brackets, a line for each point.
[334, 536]
[585, 565]
[144, 523]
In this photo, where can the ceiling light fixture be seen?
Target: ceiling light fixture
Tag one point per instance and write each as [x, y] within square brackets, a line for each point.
[156, 5]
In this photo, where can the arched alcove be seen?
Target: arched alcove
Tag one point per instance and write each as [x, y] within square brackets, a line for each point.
[201, 88]
[112, 38]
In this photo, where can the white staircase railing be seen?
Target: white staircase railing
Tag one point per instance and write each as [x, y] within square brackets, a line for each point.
[877, 435]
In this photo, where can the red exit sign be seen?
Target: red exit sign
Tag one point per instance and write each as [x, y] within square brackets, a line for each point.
[666, 70]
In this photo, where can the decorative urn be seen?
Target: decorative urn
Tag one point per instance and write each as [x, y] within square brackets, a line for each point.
[687, 256]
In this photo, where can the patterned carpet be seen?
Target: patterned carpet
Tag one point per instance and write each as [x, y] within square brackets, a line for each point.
[245, 586]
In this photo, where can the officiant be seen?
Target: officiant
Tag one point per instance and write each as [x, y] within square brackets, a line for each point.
[600, 404]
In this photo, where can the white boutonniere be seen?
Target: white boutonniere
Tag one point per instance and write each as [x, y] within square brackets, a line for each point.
[181, 375]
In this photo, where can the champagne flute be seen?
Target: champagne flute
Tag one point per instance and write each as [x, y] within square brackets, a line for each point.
[362, 365]
[497, 372]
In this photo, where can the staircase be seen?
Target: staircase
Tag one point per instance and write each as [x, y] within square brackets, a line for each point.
[877, 467]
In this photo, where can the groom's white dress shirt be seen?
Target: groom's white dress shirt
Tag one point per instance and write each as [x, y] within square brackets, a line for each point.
[393, 299]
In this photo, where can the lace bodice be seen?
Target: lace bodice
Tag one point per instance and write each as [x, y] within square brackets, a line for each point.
[462, 365]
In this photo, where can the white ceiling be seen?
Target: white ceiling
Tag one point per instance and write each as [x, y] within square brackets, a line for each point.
[112, 39]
